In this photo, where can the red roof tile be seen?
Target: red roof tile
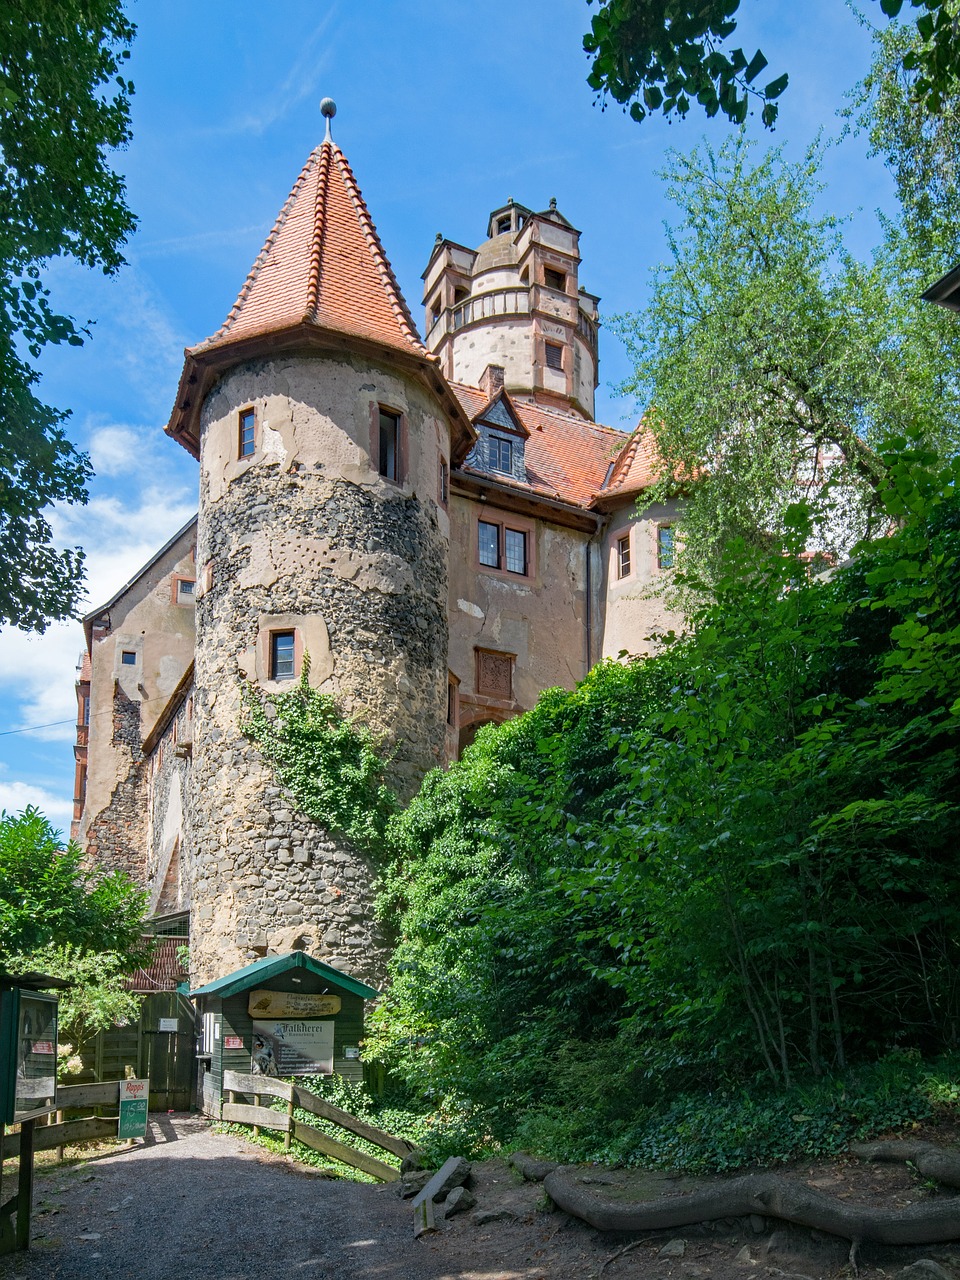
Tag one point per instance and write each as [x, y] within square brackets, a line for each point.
[322, 264]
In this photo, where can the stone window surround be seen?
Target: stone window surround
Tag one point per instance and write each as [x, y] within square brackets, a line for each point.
[241, 415]
[268, 629]
[616, 536]
[519, 524]
[403, 452]
[175, 597]
[287, 634]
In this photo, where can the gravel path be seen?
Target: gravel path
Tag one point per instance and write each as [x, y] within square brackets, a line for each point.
[190, 1203]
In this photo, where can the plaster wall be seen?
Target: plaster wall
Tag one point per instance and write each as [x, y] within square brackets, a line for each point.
[169, 859]
[306, 535]
[541, 620]
[127, 699]
[503, 341]
[634, 604]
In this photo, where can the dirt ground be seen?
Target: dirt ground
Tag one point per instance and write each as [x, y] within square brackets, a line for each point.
[190, 1203]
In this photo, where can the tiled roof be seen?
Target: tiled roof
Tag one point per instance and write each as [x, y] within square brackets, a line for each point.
[322, 264]
[636, 468]
[567, 457]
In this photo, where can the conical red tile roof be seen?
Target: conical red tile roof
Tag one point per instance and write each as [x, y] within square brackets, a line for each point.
[322, 264]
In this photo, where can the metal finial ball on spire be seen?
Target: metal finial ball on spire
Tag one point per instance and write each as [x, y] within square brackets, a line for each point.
[328, 108]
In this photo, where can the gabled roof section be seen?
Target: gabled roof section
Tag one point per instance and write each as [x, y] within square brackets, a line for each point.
[501, 413]
[322, 264]
[636, 467]
[566, 456]
[272, 966]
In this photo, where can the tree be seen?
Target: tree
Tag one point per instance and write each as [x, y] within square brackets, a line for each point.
[772, 361]
[59, 917]
[663, 55]
[64, 103]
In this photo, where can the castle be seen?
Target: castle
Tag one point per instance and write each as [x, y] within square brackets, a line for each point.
[439, 523]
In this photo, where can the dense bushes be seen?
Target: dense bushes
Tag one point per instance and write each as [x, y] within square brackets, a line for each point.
[736, 859]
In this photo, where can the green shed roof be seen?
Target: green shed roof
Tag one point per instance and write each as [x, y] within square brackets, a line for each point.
[272, 966]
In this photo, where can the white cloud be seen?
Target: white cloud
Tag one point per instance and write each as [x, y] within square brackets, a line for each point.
[16, 796]
[115, 450]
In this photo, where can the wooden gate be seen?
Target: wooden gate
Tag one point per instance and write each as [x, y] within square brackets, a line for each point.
[160, 1047]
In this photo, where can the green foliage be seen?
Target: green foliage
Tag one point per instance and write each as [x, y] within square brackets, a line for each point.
[329, 764]
[98, 997]
[731, 861]
[64, 104]
[770, 358]
[664, 55]
[49, 898]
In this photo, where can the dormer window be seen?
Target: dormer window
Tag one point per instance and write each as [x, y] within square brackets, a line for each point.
[501, 455]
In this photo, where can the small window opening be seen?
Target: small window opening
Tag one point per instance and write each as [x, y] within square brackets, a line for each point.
[554, 355]
[282, 655]
[460, 295]
[665, 546]
[444, 482]
[623, 557]
[389, 438]
[247, 432]
[501, 455]
[555, 279]
[503, 225]
[185, 591]
[128, 657]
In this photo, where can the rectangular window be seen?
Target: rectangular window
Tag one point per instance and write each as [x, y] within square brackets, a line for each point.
[501, 455]
[389, 442]
[282, 655]
[444, 483]
[515, 550]
[665, 546]
[554, 279]
[489, 540]
[554, 355]
[623, 556]
[248, 441]
[86, 711]
[185, 591]
[128, 658]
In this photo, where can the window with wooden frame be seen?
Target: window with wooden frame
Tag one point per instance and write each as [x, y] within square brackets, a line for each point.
[554, 279]
[247, 433]
[499, 546]
[283, 655]
[553, 354]
[183, 590]
[500, 454]
[389, 445]
[495, 674]
[623, 556]
[665, 547]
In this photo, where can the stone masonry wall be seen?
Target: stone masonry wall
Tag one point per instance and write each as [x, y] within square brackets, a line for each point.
[307, 536]
[169, 851]
[115, 838]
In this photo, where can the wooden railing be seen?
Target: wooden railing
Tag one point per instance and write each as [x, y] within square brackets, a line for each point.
[295, 1096]
[61, 1133]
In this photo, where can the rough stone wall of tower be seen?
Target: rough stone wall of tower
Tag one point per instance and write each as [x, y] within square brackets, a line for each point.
[306, 536]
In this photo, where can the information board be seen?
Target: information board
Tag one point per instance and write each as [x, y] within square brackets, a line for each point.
[134, 1096]
[292, 1047]
[35, 1086]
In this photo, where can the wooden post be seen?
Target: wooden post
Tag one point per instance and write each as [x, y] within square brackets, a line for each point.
[25, 1185]
[256, 1103]
[289, 1134]
[60, 1150]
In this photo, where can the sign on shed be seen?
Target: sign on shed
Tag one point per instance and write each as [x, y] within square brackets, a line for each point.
[292, 1047]
[291, 1004]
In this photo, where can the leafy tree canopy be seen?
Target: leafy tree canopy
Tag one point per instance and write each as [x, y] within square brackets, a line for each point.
[48, 897]
[64, 104]
[664, 55]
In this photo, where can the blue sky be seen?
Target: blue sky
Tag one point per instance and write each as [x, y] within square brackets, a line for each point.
[445, 110]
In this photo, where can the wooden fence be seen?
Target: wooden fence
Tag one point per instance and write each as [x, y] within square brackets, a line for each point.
[58, 1132]
[295, 1096]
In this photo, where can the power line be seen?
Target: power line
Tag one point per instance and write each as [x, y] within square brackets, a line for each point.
[30, 728]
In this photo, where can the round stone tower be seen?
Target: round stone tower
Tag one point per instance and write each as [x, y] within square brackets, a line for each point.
[324, 432]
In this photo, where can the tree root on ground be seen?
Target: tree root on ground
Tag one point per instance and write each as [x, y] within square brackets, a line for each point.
[763, 1193]
[930, 1161]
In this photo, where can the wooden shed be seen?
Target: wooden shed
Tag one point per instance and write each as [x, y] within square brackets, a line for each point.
[281, 1016]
